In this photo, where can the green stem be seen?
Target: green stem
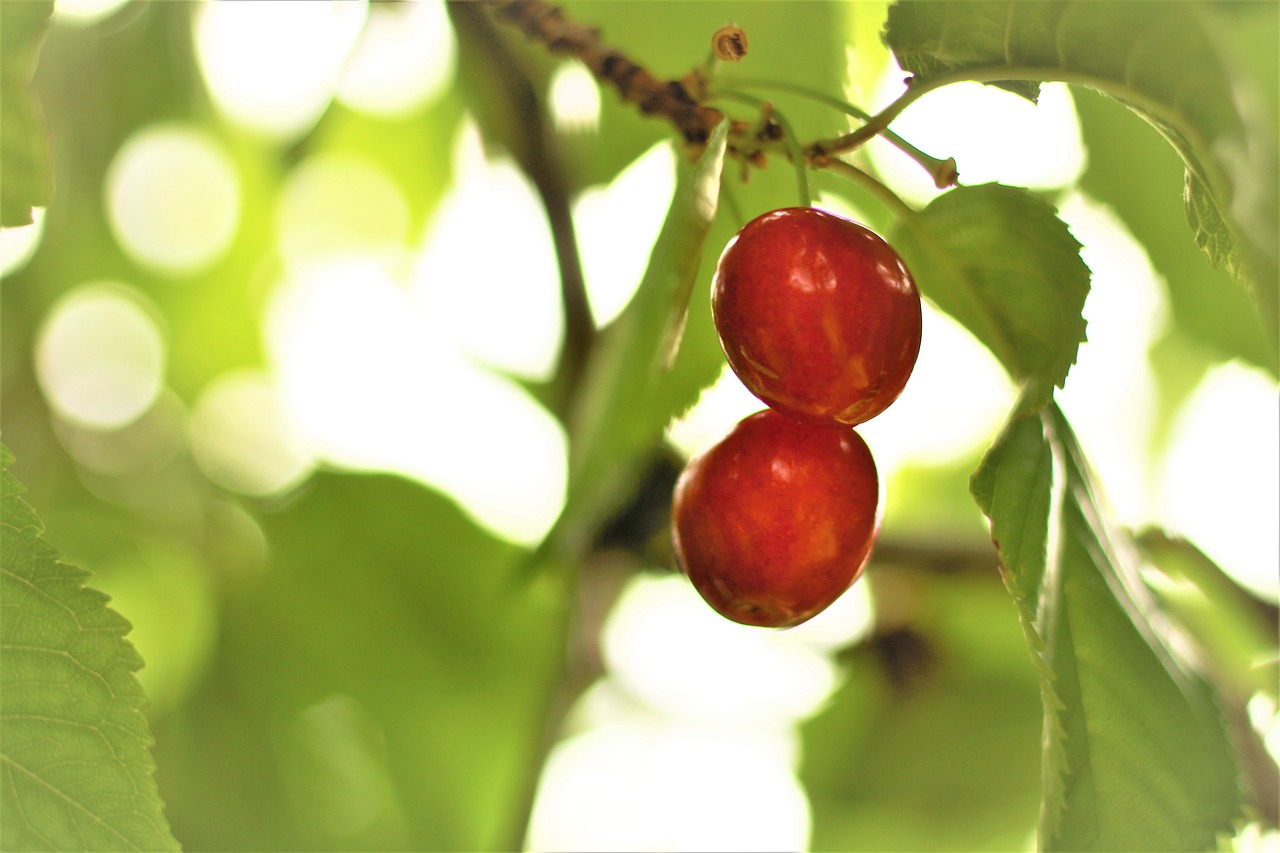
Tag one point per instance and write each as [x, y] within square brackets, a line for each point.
[734, 209]
[813, 94]
[942, 171]
[887, 197]
[878, 123]
[797, 160]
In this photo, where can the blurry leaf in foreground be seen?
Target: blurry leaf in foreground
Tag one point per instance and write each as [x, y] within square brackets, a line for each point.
[25, 159]
[1238, 628]
[75, 771]
[1136, 756]
[381, 684]
[1132, 170]
[620, 415]
[931, 742]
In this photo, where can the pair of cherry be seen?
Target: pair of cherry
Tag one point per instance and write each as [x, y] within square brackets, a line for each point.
[820, 319]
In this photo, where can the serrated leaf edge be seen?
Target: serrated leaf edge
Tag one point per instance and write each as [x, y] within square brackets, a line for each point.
[1055, 766]
[1036, 386]
[1205, 184]
[135, 699]
[1175, 652]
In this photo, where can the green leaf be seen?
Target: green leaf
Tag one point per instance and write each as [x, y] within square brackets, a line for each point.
[1235, 626]
[1133, 171]
[935, 708]
[74, 753]
[1158, 58]
[1000, 261]
[620, 416]
[930, 42]
[1136, 756]
[380, 685]
[26, 169]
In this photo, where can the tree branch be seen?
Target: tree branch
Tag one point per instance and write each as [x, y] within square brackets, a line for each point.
[681, 101]
[536, 153]
[545, 23]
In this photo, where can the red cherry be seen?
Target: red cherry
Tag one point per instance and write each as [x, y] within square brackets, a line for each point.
[817, 315]
[777, 519]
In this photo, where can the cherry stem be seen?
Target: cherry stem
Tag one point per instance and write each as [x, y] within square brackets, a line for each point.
[888, 197]
[833, 164]
[943, 172]
[794, 152]
[797, 160]
[710, 67]
[878, 123]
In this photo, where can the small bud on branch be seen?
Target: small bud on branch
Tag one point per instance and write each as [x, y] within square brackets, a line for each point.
[729, 43]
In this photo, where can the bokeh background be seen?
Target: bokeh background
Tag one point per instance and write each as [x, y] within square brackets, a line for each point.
[275, 367]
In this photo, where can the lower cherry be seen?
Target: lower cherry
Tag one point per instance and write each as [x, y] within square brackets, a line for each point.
[777, 519]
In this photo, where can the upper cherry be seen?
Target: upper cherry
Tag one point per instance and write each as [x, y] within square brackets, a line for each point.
[777, 519]
[818, 316]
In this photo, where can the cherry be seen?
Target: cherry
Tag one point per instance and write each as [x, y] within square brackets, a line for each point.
[777, 519]
[817, 315]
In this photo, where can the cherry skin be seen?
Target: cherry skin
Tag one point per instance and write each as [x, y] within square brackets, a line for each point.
[777, 519]
[817, 315]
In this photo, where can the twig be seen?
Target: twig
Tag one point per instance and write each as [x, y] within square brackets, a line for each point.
[541, 162]
[547, 24]
[943, 172]
[679, 100]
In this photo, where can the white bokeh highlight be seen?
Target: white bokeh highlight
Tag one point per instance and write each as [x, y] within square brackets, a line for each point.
[689, 742]
[18, 243]
[273, 66]
[488, 270]
[140, 448]
[667, 647]
[100, 356]
[616, 227]
[377, 383]
[720, 405]
[1218, 482]
[1110, 394]
[244, 437]
[953, 405]
[173, 198]
[84, 13]
[993, 134]
[641, 785]
[335, 205]
[403, 60]
[574, 98]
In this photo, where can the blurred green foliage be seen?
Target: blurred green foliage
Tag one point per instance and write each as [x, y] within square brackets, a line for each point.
[24, 145]
[359, 665]
[932, 741]
[381, 683]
